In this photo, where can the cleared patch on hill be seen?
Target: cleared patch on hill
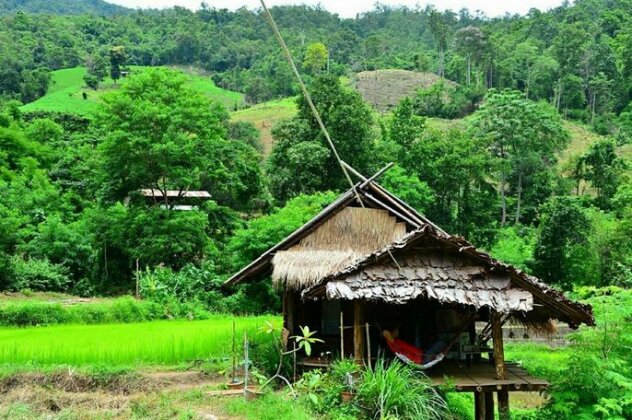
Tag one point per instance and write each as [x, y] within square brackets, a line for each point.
[264, 116]
[384, 89]
[66, 93]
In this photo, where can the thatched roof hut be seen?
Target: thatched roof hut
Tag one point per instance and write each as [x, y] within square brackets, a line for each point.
[386, 251]
[371, 258]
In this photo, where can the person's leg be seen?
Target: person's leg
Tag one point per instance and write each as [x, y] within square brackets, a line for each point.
[434, 349]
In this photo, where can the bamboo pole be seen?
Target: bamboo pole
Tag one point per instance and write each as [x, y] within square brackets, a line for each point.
[358, 334]
[368, 346]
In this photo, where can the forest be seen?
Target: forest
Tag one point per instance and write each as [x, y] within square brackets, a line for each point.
[523, 146]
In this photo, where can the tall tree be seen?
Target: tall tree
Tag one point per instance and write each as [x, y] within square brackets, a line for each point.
[440, 30]
[349, 121]
[118, 57]
[316, 58]
[470, 42]
[522, 135]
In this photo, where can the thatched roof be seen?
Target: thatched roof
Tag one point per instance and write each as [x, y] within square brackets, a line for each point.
[397, 255]
[346, 237]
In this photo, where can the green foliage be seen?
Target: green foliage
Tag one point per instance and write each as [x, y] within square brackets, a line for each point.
[36, 274]
[316, 58]
[302, 161]
[561, 254]
[409, 188]
[456, 169]
[264, 232]
[524, 138]
[443, 100]
[597, 379]
[601, 166]
[396, 390]
[405, 127]
[515, 246]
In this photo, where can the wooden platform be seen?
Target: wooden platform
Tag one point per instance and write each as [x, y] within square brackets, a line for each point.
[481, 377]
[478, 377]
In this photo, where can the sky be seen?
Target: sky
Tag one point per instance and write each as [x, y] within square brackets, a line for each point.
[349, 8]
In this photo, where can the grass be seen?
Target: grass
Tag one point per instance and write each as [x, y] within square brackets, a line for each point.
[539, 359]
[67, 88]
[158, 342]
[269, 407]
[264, 116]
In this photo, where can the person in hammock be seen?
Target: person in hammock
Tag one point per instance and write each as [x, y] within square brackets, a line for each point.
[410, 352]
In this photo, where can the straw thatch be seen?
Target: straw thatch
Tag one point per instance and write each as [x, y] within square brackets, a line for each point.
[345, 238]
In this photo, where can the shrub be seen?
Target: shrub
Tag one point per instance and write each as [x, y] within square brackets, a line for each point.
[122, 310]
[397, 391]
[37, 274]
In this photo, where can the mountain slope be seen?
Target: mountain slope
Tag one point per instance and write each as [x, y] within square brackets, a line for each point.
[61, 7]
[66, 93]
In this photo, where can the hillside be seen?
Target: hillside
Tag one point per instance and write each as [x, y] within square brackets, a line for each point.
[62, 7]
[264, 116]
[67, 89]
[385, 88]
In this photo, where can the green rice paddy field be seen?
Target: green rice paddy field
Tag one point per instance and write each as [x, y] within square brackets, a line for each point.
[147, 343]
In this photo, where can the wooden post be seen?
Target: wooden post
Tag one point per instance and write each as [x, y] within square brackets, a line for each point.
[503, 404]
[342, 335]
[499, 362]
[368, 346]
[479, 406]
[358, 334]
[499, 351]
[288, 310]
[489, 406]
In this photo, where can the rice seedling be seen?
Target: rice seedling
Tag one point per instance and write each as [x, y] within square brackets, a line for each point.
[158, 342]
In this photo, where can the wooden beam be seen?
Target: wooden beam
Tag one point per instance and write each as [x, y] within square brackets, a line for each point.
[499, 351]
[479, 406]
[489, 406]
[358, 333]
[288, 310]
[503, 404]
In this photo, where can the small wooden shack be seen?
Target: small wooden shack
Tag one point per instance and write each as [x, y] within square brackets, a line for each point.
[369, 262]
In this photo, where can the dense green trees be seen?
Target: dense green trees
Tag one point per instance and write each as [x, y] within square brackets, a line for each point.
[302, 162]
[575, 57]
[70, 184]
[524, 137]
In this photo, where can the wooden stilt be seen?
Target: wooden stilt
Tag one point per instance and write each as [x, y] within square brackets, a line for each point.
[499, 362]
[489, 406]
[479, 406]
[499, 351]
[358, 334]
[503, 404]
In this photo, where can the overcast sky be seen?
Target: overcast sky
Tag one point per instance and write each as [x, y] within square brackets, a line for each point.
[349, 8]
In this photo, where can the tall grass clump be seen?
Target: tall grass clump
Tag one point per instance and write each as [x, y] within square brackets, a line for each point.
[394, 390]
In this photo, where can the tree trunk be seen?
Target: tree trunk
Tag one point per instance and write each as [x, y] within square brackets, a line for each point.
[558, 103]
[469, 71]
[441, 62]
[503, 199]
[528, 83]
[519, 193]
